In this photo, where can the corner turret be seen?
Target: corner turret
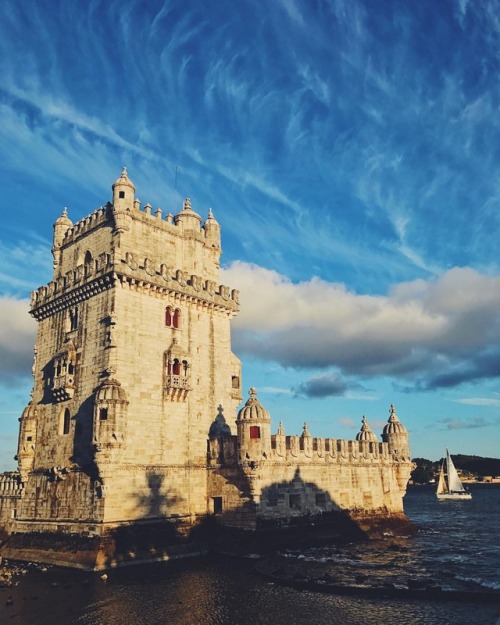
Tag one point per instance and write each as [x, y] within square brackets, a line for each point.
[27, 441]
[187, 219]
[212, 230]
[61, 227]
[396, 435]
[123, 201]
[254, 430]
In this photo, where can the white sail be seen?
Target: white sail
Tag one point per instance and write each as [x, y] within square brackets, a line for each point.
[454, 483]
[449, 485]
[441, 487]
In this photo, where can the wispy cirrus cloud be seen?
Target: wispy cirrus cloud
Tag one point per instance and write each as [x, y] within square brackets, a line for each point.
[466, 424]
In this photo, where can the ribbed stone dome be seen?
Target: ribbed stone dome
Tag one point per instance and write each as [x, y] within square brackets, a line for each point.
[366, 433]
[111, 391]
[29, 412]
[253, 409]
[394, 425]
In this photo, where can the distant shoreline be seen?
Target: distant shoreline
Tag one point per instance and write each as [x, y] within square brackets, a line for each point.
[464, 481]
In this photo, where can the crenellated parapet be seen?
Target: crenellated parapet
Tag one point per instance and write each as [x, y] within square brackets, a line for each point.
[86, 225]
[342, 451]
[145, 274]
[10, 484]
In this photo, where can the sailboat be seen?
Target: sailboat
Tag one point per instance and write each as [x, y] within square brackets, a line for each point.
[449, 484]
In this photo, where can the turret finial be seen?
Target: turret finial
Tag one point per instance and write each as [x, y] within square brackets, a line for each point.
[124, 172]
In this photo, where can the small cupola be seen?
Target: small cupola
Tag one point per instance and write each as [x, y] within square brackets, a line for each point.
[61, 227]
[394, 425]
[123, 191]
[396, 436]
[219, 427]
[187, 219]
[366, 433]
[254, 431]
[253, 410]
[211, 228]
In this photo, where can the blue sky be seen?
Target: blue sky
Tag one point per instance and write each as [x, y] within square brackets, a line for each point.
[350, 151]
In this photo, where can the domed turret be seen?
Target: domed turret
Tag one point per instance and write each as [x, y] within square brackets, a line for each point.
[187, 219]
[110, 407]
[366, 433]
[396, 435]
[219, 427]
[27, 441]
[212, 230]
[111, 391]
[61, 227]
[123, 190]
[123, 201]
[254, 430]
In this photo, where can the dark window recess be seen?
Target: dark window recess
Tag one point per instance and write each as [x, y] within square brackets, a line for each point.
[29, 439]
[66, 421]
[73, 319]
[176, 318]
[103, 414]
[254, 431]
[217, 505]
[172, 317]
[121, 194]
[321, 500]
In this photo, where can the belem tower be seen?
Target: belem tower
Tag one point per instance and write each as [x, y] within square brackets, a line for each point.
[132, 447]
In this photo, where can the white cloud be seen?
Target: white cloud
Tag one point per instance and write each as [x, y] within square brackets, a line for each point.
[478, 401]
[17, 338]
[445, 330]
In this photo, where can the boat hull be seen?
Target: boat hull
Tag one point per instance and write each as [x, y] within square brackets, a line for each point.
[455, 496]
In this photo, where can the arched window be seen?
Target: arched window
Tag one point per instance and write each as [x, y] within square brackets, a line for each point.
[172, 317]
[65, 421]
[121, 194]
[177, 318]
[176, 367]
[88, 264]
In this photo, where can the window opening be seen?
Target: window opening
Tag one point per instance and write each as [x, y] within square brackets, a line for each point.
[121, 194]
[321, 500]
[66, 421]
[103, 414]
[176, 318]
[217, 505]
[254, 431]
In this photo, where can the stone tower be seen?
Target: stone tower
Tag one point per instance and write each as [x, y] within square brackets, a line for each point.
[133, 360]
[128, 449]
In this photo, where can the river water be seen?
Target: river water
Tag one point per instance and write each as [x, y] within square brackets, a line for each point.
[457, 547]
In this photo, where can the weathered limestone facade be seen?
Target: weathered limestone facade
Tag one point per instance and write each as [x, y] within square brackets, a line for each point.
[131, 418]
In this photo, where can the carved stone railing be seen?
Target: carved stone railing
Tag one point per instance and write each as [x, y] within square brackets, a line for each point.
[63, 387]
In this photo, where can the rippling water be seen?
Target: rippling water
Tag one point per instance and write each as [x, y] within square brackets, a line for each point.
[457, 546]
